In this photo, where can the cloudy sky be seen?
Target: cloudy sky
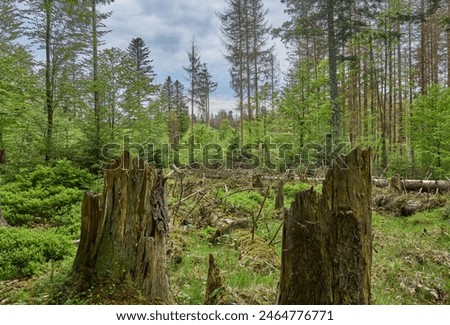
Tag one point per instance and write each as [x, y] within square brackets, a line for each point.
[168, 27]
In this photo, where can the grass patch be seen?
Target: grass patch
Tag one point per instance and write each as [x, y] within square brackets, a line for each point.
[188, 273]
[411, 260]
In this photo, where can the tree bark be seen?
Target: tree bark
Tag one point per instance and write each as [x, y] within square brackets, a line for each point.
[336, 121]
[124, 230]
[214, 283]
[327, 238]
[2, 156]
[448, 44]
[49, 82]
[3, 222]
[95, 78]
[279, 198]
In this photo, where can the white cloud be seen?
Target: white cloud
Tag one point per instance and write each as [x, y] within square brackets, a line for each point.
[168, 26]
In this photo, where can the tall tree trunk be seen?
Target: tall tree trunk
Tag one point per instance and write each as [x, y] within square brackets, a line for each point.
[248, 64]
[48, 80]
[241, 78]
[255, 57]
[422, 58]
[97, 141]
[124, 231]
[327, 238]
[192, 99]
[333, 83]
[401, 139]
[448, 44]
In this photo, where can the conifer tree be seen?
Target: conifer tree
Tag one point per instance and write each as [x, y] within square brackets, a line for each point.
[193, 70]
[142, 75]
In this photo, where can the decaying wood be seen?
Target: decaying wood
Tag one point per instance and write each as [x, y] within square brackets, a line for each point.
[257, 181]
[124, 230]
[214, 283]
[327, 239]
[2, 156]
[279, 198]
[414, 185]
[188, 197]
[255, 219]
[229, 226]
[3, 222]
[404, 184]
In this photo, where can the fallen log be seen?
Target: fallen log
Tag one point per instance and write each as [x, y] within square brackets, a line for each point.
[415, 185]
[398, 183]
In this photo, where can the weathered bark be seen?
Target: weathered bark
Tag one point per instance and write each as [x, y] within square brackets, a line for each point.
[3, 222]
[49, 81]
[279, 198]
[336, 119]
[124, 230]
[229, 226]
[214, 283]
[327, 238]
[256, 181]
[2, 156]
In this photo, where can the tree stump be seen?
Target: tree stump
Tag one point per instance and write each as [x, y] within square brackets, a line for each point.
[2, 156]
[279, 198]
[3, 222]
[214, 283]
[257, 181]
[327, 238]
[124, 230]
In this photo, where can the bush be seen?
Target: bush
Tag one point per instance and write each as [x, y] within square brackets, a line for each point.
[23, 252]
[245, 201]
[290, 190]
[44, 195]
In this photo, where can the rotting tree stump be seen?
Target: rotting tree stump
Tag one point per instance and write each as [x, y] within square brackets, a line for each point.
[327, 238]
[214, 283]
[124, 230]
[3, 222]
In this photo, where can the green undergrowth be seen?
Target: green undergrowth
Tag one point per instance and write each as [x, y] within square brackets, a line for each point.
[46, 195]
[411, 265]
[249, 275]
[24, 252]
[411, 259]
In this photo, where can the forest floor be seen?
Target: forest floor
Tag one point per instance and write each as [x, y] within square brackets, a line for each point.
[239, 225]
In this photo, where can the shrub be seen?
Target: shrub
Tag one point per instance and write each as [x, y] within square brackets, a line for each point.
[245, 201]
[45, 194]
[23, 252]
[290, 190]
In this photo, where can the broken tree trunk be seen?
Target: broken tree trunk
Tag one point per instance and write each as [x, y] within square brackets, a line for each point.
[327, 238]
[214, 283]
[279, 198]
[2, 156]
[124, 230]
[3, 222]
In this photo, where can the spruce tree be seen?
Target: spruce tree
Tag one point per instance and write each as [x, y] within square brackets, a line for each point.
[245, 32]
[142, 76]
[193, 70]
[205, 87]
